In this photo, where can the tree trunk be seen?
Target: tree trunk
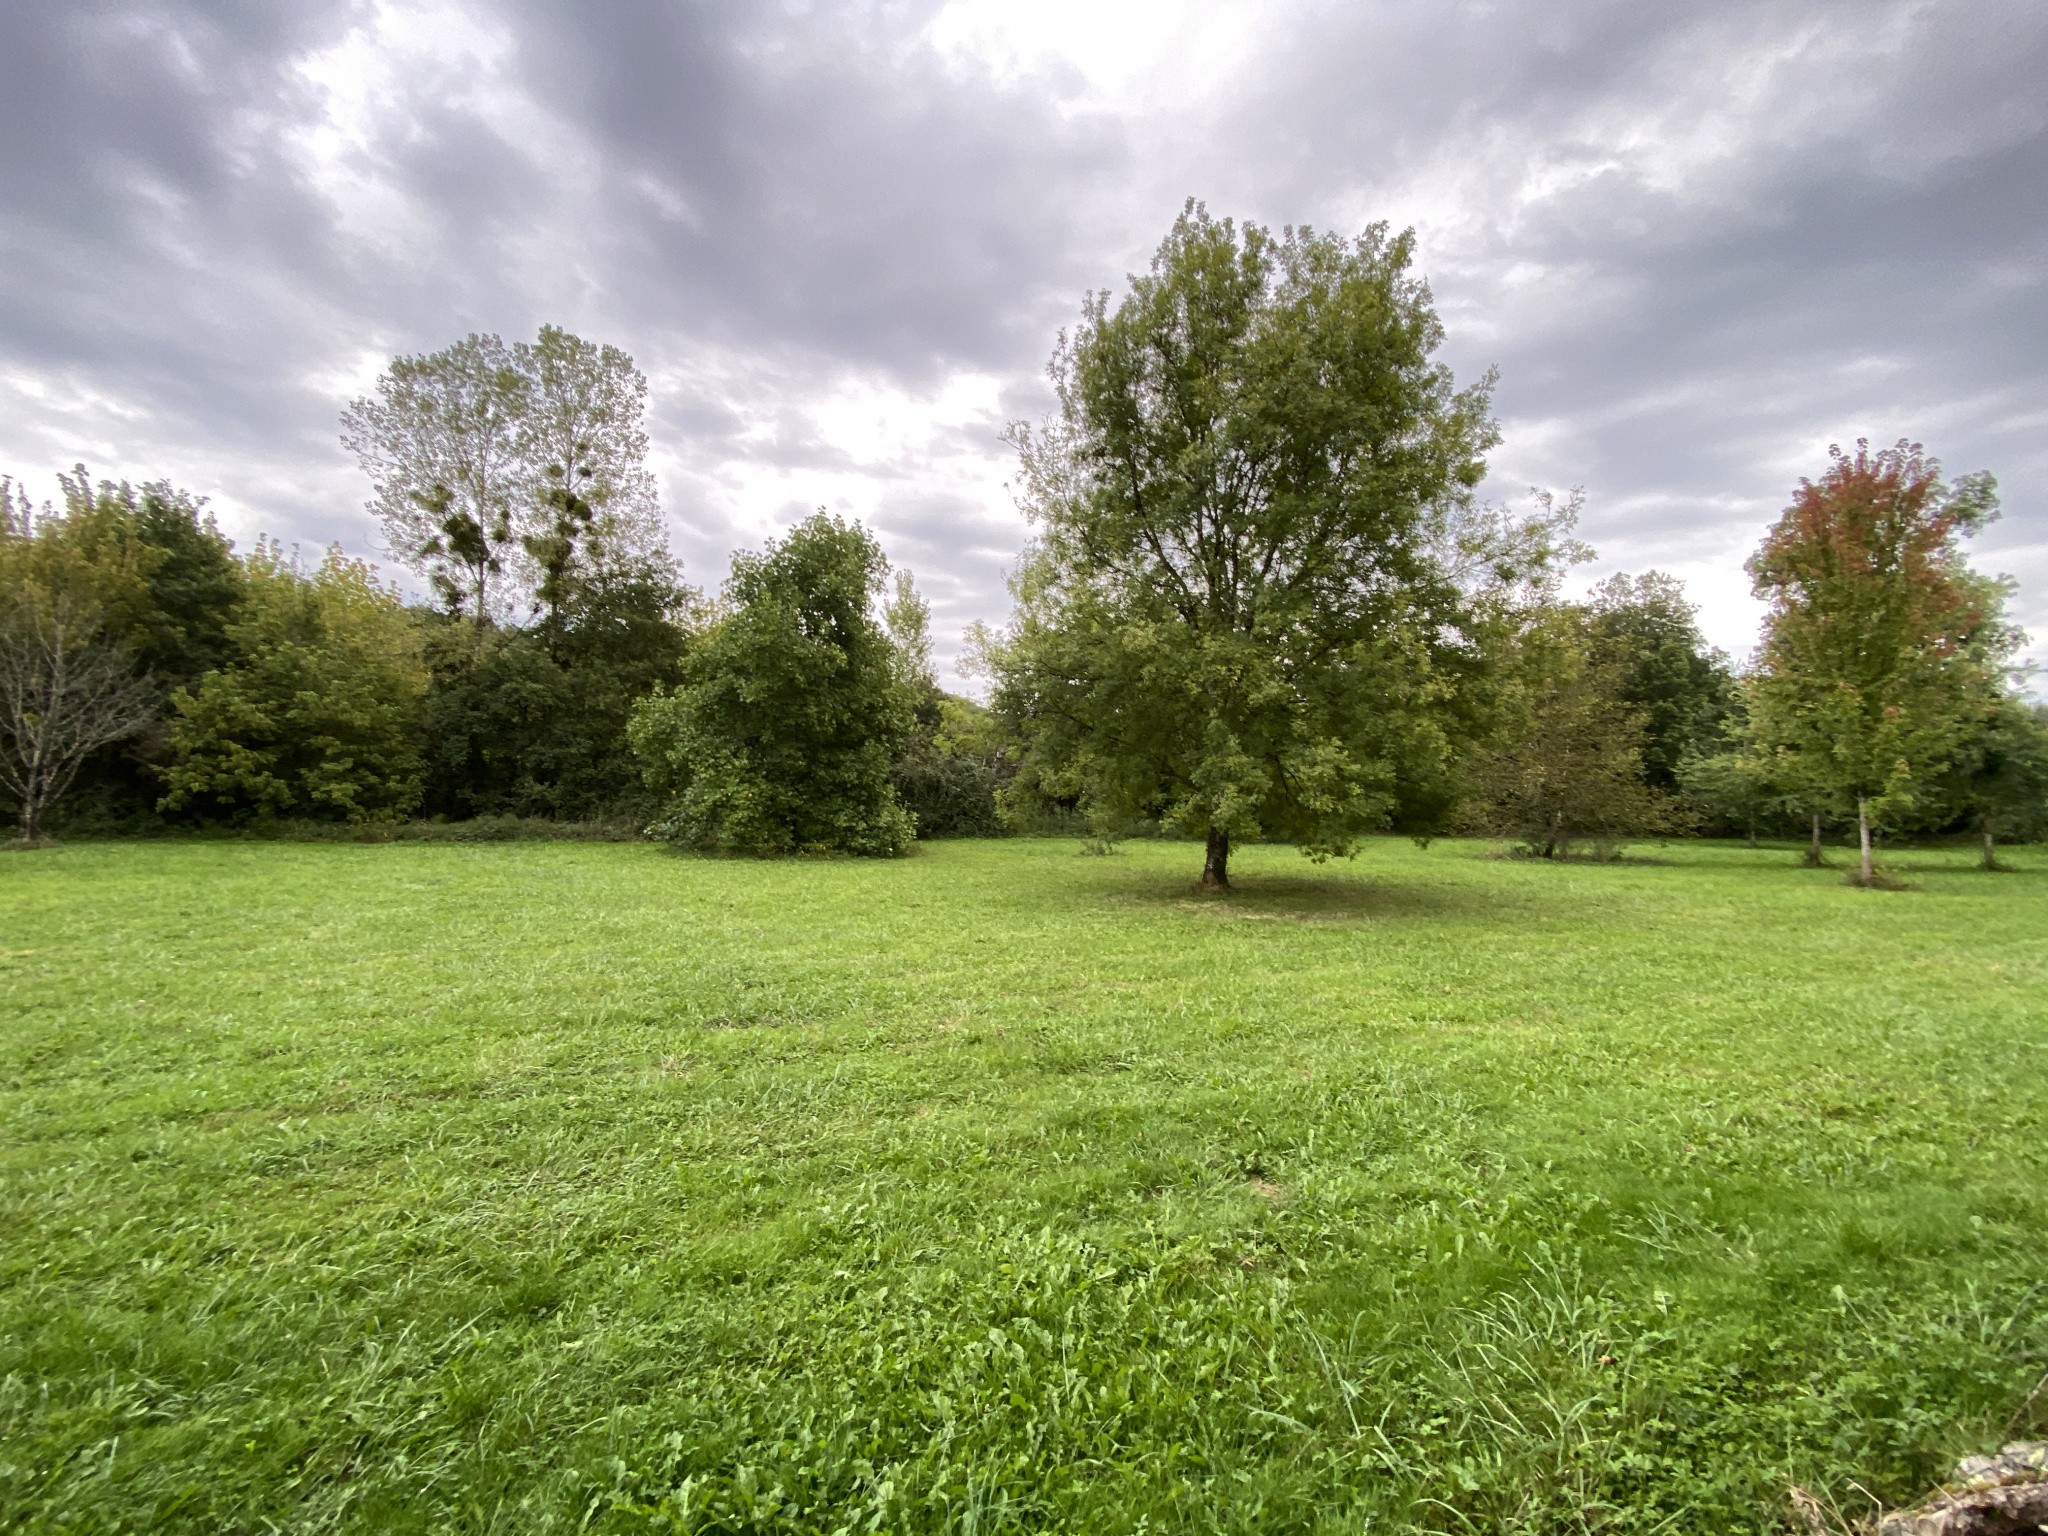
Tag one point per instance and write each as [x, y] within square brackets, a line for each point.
[1813, 855]
[1216, 866]
[1863, 836]
[1752, 832]
[1990, 847]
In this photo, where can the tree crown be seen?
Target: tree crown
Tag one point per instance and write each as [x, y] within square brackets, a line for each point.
[1248, 592]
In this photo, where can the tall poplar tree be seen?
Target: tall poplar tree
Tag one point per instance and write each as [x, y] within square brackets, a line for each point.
[1881, 646]
[440, 441]
[506, 475]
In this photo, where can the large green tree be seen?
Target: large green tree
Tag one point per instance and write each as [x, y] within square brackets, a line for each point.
[514, 479]
[160, 569]
[1242, 614]
[1881, 645]
[791, 708]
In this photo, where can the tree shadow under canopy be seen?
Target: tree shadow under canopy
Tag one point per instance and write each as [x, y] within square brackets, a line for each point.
[1307, 898]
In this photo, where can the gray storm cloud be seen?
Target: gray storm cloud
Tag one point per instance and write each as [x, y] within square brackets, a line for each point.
[1699, 241]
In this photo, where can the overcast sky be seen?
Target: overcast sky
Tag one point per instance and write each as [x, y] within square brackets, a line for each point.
[1701, 241]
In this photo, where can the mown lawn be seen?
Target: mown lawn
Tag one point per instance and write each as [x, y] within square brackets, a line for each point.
[549, 1187]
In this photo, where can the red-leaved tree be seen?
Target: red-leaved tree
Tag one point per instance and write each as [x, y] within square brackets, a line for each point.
[1882, 645]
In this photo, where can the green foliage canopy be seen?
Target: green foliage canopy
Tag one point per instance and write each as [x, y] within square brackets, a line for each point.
[951, 774]
[142, 573]
[1241, 614]
[790, 709]
[1998, 780]
[1647, 635]
[316, 716]
[532, 722]
[1570, 771]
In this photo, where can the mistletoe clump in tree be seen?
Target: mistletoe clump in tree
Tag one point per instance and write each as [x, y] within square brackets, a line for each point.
[509, 475]
[1248, 611]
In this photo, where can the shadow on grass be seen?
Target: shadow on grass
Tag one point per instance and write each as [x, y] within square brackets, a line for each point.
[1310, 899]
[1513, 855]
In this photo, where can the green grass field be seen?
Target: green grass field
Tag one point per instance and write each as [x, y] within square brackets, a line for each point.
[551, 1187]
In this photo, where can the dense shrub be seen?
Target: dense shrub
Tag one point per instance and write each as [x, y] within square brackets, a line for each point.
[791, 710]
[532, 722]
[317, 715]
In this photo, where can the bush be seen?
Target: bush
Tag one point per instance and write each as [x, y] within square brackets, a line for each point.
[791, 711]
[949, 796]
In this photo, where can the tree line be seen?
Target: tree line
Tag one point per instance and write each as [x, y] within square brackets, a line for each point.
[151, 675]
[1262, 601]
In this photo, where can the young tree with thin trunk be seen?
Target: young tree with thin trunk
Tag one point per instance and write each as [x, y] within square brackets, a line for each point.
[1999, 781]
[1881, 643]
[1241, 616]
[65, 692]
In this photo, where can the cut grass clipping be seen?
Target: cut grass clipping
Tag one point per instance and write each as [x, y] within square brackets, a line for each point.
[557, 1187]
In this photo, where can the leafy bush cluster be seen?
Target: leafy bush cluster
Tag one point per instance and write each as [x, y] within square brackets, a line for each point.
[779, 735]
[281, 689]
